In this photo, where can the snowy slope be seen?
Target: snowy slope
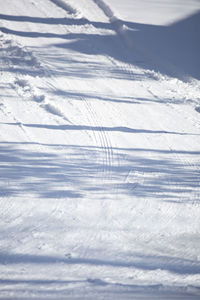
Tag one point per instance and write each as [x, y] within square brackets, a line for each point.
[165, 32]
[100, 140]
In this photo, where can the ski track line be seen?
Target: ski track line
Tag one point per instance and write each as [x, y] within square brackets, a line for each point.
[104, 140]
[104, 143]
[98, 135]
[107, 147]
[99, 142]
[128, 69]
[24, 85]
[102, 135]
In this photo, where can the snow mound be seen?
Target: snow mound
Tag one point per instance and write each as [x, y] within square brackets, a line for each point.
[18, 58]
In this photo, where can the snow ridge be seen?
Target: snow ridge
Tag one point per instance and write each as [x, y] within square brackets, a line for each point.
[66, 6]
[26, 90]
[18, 57]
[23, 78]
[106, 9]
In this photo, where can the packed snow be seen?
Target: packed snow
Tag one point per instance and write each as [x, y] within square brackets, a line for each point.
[100, 137]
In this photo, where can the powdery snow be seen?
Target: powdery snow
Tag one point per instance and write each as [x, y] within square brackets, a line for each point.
[99, 136]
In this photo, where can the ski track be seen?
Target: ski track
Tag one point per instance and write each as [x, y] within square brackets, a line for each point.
[107, 155]
[121, 31]
[23, 87]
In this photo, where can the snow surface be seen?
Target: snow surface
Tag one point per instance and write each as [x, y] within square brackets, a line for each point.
[100, 169]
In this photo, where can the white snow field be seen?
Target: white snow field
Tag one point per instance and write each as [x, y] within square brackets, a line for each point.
[100, 149]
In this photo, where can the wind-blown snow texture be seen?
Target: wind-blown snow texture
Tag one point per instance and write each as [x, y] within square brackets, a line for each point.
[99, 149]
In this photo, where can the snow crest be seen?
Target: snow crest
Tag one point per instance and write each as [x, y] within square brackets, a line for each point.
[66, 6]
[106, 9]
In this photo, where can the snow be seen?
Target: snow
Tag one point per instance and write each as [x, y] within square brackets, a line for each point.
[99, 111]
[154, 12]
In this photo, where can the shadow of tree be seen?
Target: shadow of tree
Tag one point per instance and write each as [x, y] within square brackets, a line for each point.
[98, 128]
[59, 289]
[172, 49]
[56, 21]
[141, 262]
[161, 176]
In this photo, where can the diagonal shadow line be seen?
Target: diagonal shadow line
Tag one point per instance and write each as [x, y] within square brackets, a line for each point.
[170, 51]
[56, 21]
[78, 95]
[33, 34]
[98, 128]
[38, 281]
